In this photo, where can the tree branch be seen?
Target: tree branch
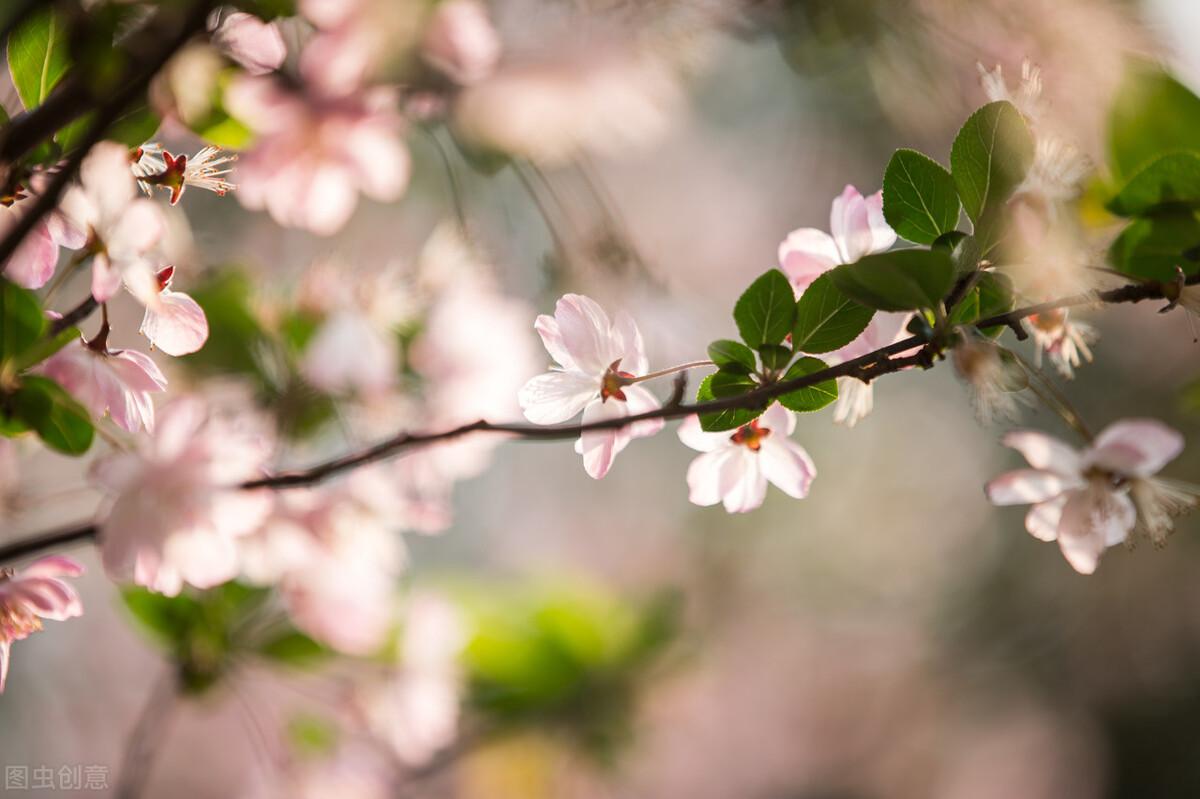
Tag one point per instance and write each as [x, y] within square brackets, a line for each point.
[866, 368]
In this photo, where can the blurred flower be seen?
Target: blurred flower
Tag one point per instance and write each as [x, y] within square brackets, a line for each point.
[314, 153]
[461, 42]
[1082, 498]
[177, 510]
[856, 399]
[174, 322]
[118, 382]
[355, 40]
[1063, 340]
[992, 376]
[353, 772]
[735, 468]
[600, 99]
[256, 45]
[35, 259]
[590, 352]
[1027, 97]
[416, 712]
[349, 353]
[121, 228]
[154, 166]
[32, 594]
[858, 229]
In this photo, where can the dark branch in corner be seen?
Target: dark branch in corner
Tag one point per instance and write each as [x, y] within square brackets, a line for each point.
[866, 368]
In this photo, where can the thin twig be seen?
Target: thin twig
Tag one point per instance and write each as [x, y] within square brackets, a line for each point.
[867, 367]
[146, 739]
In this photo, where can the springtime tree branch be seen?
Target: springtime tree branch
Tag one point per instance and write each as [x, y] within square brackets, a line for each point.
[72, 100]
[885, 360]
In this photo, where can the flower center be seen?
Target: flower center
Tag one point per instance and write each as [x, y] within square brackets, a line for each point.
[750, 435]
[614, 382]
[1050, 321]
[17, 622]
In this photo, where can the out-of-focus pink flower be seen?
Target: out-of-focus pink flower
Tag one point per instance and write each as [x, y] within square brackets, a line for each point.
[597, 364]
[256, 45]
[1081, 498]
[993, 378]
[336, 555]
[349, 353]
[736, 467]
[1064, 340]
[856, 399]
[314, 153]
[858, 228]
[416, 712]
[36, 258]
[118, 382]
[355, 39]
[177, 511]
[32, 594]
[174, 322]
[121, 228]
[461, 41]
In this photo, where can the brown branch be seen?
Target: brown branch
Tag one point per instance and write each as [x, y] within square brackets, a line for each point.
[866, 368]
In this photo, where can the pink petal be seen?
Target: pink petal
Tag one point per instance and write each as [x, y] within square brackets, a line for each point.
[256, 45]
[382, 162]
[53, 566]
[108, 181]
[601, 447]
[586, 333]
[628, 341]
[692, 435]
[786, 465]
[704, 476]
[1136, 447]
[106, 280]
[1045, 452]
[547, 327]
[1025, 486]
[743, 485]
[639, 400]
[806, 254]
[557, 396]
[1043, 519]
[177, 326]
[35, 259]
[5, 647]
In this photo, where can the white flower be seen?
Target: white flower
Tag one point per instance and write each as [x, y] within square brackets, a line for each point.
[1027, 97]
[207, 170]
[177, 508]
[858, 228]
[856, 399]
[121, 228]
[1066, 342]
[993, 378]
[597, 360]
[1082, 498]
[736, 467]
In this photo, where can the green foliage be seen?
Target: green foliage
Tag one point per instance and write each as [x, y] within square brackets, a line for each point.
[812, 398]
[38, 56]
[920, 200]
[731, 355]
[989, 158]
[202, 631]
[902, 280]
[1171, 179]
[21, 321]
[765, 311]
[133, 129]
[826, 319]
[61, 422]
[1152, 115]
[991, 295]
[1151, 247]
[568, 657]
[729, 386]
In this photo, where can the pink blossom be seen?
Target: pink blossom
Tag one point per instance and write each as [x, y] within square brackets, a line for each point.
[1081, 498]
[117, 382]
[856, 399]
[174, 322]
[34, 262]
[314, 153]
[1066, 341]
[121, 228]
[598, 362]
[33, 594]
[256, 45]
[349, 353]
[177, 511]
[858, 228]
[416, 712]
[736, 466]
[461, 41]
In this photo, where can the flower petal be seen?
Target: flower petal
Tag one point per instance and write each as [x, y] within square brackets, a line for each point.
[1025, 486]
[806, 254]
[743, 486]
[786, 465]
[177, 326]
[601, 447]
[692, 435]
[555, 397]
[586, 333]
[1135, 447]
[1045, 452]
[638, 400]
[1043, 518]
[704, 475]
[547, 327]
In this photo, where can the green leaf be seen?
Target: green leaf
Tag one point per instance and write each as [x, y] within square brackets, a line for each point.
[732, 355]
[1152, 115]
[765, 312]
[21, 320]
[133, 129]
[902, 280]
[826, 319]
[775, 356]
[967, 309]
[38, 57]
[166, 618]
[44, 348]
[1151, 247]
[1173, 179]
[61, 422]
[920, 200]
[990, 157]
[996, 295]
[728, 419]
[293, 648]
[812, 398]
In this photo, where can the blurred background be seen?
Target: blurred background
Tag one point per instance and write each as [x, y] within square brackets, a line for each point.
[890, 636]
